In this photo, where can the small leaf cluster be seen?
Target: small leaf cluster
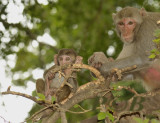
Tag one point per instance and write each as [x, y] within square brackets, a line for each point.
[139, 120]
[103, 115]
[156, 52]
[43, 98]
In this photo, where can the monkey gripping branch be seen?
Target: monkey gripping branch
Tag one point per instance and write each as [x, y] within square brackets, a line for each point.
[97, 88]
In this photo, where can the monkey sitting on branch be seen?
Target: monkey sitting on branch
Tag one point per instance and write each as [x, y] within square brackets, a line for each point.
[62, 83]
[135, 27]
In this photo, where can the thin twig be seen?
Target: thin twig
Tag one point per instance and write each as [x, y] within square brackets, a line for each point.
[41, 102]
[73, 112]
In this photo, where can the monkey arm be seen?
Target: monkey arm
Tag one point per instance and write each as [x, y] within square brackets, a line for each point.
[47, 90]
[47, 72]
[140, 61]
[74, 84]
[72, 80]
[48, 76]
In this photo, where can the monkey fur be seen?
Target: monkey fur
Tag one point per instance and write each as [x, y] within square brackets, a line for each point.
[135, 27]
[53, 86]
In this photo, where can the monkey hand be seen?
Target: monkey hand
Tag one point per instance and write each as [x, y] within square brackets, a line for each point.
[97, 59]
[79, 60]
[47, 92]
[50, 75]
[110, 59]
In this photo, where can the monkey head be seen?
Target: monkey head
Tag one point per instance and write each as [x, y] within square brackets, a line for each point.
[127, 22]
[67, 56]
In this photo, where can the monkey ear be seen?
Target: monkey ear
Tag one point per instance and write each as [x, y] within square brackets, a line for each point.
[143, 12]
[113, 15]
[79, 60]
[56, 59]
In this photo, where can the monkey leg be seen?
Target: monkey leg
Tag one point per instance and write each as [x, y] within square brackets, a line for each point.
[63, 93]
[40, 86]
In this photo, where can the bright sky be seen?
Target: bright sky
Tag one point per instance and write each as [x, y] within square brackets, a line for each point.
[11, 103]
[14, 103]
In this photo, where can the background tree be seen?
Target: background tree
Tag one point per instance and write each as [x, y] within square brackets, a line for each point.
[85, 26]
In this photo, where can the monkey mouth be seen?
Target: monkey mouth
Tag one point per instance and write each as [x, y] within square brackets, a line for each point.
[128, 38]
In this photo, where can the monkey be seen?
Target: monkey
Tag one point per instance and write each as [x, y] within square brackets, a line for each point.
[53, 82]
[40, 86]
[151, 76]
[135, 27]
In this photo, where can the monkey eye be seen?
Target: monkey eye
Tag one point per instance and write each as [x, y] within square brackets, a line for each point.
[130, 22]
[120, 23]
[68, 59]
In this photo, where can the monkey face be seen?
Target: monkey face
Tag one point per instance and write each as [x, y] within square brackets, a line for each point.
[126, 27]
[64, 59]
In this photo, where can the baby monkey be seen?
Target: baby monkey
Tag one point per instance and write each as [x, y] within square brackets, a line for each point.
[54, 84]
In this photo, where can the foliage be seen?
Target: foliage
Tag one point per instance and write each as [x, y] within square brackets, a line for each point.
[125, 94]
[156, 52]
[76, 106]
[139, 120]
[103, 115]
[53, 99]
[85, 26]
[41, 96]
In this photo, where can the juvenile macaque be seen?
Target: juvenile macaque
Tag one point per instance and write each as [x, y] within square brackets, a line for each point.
[53, 85]
[135, 28]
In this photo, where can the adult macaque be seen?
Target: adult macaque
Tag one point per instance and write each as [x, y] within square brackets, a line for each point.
[135, 28]
[151, 76]
[53, 82]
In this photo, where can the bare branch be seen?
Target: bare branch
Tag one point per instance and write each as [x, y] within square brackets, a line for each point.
[40, 102]
[63, 116]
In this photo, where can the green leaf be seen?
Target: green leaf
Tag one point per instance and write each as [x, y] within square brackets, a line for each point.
[110, 109]
[152, 56]
[154, 121]
[115, 87]
[102, 115]
[146, 121]
[139, 120]
[110, 116]
[41, 96]
[157, 52]
[156, 40]
[153, 50]
[157, 33]
[53, 99]
[76, 106]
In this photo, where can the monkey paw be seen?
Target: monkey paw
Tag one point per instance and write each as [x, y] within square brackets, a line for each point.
[97, 59]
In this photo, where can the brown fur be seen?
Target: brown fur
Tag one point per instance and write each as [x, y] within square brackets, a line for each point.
[64, 92]
[137, 51]
[142, 43]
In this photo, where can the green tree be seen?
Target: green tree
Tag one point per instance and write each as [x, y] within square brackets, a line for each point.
[85, 26]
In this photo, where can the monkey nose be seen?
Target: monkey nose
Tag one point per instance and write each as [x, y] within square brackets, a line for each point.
[125, 34]
[63, 62]
[125, 28]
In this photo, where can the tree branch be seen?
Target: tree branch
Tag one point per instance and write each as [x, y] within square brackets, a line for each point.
[93, 89]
